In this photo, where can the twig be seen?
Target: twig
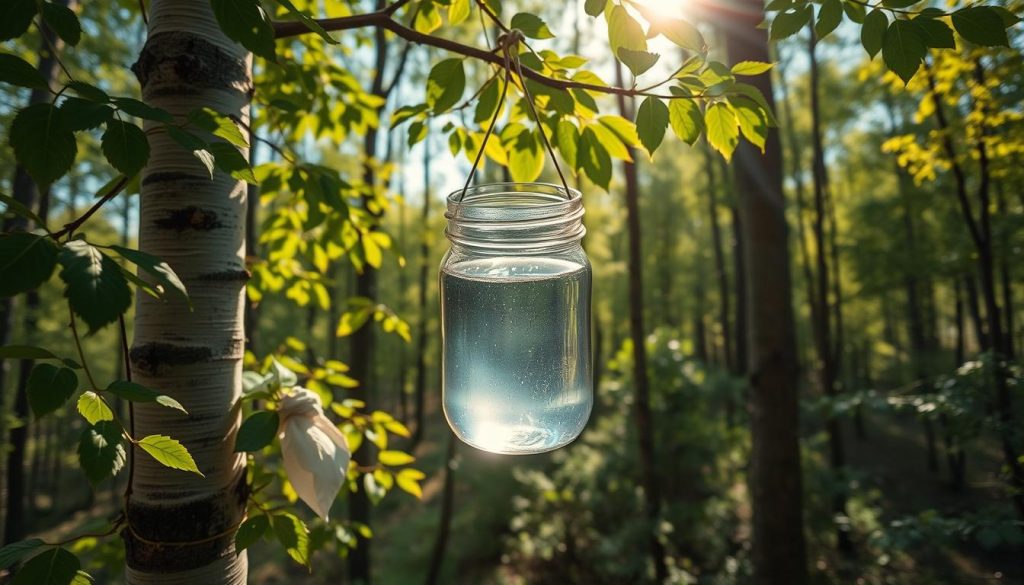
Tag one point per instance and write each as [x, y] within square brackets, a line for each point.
[383, 20]
[69, 228]
[131, 411]
[78, 345]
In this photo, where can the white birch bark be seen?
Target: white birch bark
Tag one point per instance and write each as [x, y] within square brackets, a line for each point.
[197, 225]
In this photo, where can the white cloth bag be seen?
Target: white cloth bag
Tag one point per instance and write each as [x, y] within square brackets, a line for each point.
[315, 452]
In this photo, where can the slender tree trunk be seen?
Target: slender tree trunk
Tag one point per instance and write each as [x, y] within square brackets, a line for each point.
[721, 275]
[24, 191]
[420, 389]
[642, 401]
[779, 553]
[740, 272]
[980, 230]
[974, 305]
[795, 172]
[196, 225]
[822, 326]
[447, 509]
[1006, 278]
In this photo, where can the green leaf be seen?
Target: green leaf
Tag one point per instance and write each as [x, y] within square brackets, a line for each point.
[250, 531]
[96, 289]
[686, 120]
[856, 12]
[753, 125]
[652, 120]
[458, 12]
[681, 33]
[26, 261]
[428, 19]
[903, 49]
[258, 431]
[625, 31]
[229, 160]
[408, 480]
[310, 22]
[623, 129]
[19, 209]
[723, 128]
[25, 352]
[49, 387]
[293, 536]
[872, 34]
[532, 26]
[829, 17]
[15, 18]
[125, 146]
[157, 268]
[488, 102]
[101, 451]
[749, 68]
[16, 71]
[89, 91]
[245, 22]
[593, 158]
[637, 61]
[445, 84]
[42, 143]
[134, 107]
[981, 25]
[169, 452]
[93, 409]
[395, 458]
[899, 3]
[82, 114]
[194, 144]
[82, 578]
[526, 157]
[14, 552]
[594, 7]
[135, 392]
[63, 21]
[417, 132]
[53, 567]
[788, 23]
[567, 137]
[219, 125]
[936, 33]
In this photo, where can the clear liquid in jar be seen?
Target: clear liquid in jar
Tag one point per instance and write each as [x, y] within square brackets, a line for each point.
[517, 362]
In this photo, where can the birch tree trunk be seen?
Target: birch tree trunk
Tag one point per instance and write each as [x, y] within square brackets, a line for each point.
[181, 525]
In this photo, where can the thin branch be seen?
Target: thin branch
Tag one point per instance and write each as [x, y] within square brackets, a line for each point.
[131, 412]
[78, 345]
[399, 70]
[485, 9]
[69, 228]
[383, 20]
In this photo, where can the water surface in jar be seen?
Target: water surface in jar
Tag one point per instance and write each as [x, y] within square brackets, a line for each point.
[517, 362]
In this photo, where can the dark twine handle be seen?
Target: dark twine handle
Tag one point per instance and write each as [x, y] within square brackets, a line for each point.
[507, 42]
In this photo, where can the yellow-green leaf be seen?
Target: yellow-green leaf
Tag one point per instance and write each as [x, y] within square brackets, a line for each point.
[169, 452]
[395, 458]
[92, 408]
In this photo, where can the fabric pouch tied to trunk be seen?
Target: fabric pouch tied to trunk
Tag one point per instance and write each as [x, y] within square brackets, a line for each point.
[315, 452]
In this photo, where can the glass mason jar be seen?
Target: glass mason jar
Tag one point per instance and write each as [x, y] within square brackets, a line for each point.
[517, 373]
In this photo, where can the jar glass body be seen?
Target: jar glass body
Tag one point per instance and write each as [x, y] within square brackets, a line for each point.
[517, 372]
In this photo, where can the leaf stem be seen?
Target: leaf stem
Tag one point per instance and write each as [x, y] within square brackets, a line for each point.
[78, 346]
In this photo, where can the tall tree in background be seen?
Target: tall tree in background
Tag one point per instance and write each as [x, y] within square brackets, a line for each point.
[779, 552]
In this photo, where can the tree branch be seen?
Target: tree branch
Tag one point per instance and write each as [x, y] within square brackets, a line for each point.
[382, 19]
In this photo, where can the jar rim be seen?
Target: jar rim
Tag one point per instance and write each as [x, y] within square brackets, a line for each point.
[532, 196]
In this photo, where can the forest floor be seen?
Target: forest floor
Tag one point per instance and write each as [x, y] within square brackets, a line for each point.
[893, 460]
